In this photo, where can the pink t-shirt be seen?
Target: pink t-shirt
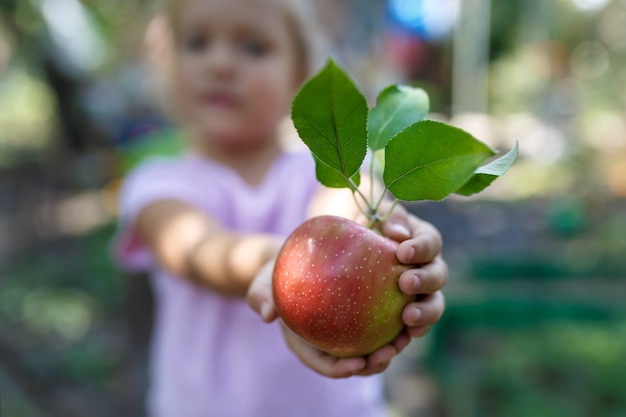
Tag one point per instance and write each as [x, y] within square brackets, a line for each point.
[212, 356]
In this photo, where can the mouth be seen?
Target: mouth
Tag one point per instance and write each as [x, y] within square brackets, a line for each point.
[220, 100]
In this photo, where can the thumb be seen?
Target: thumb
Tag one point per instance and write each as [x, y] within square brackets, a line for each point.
[259, 295]
[396, 230]
[398, 225]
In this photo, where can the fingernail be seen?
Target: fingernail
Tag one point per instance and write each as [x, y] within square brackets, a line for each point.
[265, 310]
[417, 315]
[410, 253]
[400, 229]
[355, 370]
[417, 282]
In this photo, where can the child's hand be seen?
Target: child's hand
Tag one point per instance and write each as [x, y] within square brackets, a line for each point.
[260, 296]
[334, 367]
[421, 246]
[261, 300]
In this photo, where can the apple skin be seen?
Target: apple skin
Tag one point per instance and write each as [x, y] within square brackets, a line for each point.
[335, 284]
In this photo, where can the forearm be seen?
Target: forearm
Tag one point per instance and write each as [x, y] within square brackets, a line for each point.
[227, 262]
[190, 245]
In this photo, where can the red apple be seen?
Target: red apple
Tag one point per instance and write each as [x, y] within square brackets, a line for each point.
[335, 284]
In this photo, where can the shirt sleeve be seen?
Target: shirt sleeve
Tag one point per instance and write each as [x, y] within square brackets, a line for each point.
[154, 181]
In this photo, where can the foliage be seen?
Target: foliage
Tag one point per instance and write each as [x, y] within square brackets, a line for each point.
[424, 159]
[60, 316]
[549, 369]
[161, 143]
[581, 240]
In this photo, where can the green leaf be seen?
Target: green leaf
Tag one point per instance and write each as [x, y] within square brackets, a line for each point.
[397, 107]
[430, 160]
[332, 178]
[330, 114]
[485, 175]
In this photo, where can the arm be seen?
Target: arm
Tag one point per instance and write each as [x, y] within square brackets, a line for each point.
[191, 245]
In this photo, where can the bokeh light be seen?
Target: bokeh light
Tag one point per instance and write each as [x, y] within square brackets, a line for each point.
[27, 111]
[75, 33]
[5, 52]
[590, 5]
[535, 319]
[590, 60]
[433, 19]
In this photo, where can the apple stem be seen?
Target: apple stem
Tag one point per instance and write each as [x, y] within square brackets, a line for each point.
[373, 222]
[393, 206]
[380, 201]
[371, 212]
[372, 177]
[356, 201]
[355, 190]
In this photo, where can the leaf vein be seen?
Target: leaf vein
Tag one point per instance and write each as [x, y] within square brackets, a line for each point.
[426, 166]
[389, 118]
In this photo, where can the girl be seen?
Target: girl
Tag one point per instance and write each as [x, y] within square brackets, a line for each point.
[208, 225]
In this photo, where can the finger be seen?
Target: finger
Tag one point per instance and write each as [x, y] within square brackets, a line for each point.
[397, 226]
[418, 331]
[322, 362]
[260, 299]
[268, 312]
[396, 230]
[260, 296]
[331, 366]
[401, 341]
[423, 247]
[425, 280]
[378, 361]
[425, 312]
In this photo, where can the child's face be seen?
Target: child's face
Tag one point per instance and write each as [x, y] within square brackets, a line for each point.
[235, 69]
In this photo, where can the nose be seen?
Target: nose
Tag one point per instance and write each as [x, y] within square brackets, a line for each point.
[220, 59]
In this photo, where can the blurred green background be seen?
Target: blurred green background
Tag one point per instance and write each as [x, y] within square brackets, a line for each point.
[535, 324]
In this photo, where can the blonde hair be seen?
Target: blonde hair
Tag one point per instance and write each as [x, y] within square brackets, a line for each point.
[310, 43]
[303, 22]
